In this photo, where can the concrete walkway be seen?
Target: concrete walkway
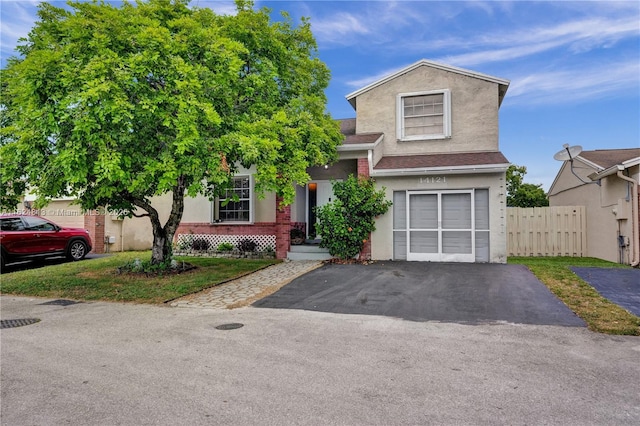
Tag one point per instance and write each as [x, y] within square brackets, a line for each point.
[247, 289]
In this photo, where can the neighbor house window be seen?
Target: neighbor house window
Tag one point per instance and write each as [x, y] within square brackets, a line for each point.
[237, 204]
[424, 115]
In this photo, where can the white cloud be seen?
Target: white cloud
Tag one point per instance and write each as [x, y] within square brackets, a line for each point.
[223, 7]
[575, 84]
[17, 19]
[339, 28]
[578, 36]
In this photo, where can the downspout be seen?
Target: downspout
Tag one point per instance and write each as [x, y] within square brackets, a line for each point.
[634, 216]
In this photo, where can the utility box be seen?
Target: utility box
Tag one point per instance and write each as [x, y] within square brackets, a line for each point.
[111, 240]
[623, 209]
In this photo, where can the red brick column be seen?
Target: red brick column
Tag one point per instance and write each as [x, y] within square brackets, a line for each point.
[363, 170]
[283, 229]
[94, 223]
[363, 167]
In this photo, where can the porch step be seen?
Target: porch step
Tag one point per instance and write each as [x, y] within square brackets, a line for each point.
[308, 252]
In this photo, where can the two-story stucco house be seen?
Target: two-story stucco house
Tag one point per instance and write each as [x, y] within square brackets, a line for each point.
[429, 135]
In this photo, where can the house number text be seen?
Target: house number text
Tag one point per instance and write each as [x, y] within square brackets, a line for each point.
[433, 179]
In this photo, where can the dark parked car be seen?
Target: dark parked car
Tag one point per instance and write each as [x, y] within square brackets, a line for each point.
[30, 237]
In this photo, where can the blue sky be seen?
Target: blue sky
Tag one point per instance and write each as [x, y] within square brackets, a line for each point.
[574, 66]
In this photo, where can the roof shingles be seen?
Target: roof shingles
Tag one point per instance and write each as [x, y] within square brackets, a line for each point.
[482, 158]
[606, 158]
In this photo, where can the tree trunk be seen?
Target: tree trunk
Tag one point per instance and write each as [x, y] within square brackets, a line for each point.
[162, 248]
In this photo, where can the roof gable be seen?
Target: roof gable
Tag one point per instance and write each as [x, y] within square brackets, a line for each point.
[502, 83]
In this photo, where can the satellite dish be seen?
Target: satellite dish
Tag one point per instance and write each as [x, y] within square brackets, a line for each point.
[568, 153]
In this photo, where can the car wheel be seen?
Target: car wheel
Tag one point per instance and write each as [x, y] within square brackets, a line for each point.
[77, 250]
[2, 262]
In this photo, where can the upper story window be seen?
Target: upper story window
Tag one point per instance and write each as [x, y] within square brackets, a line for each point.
[237, 204]
[424, 115]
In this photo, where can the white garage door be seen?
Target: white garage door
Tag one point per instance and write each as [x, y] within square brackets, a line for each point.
[441, 226]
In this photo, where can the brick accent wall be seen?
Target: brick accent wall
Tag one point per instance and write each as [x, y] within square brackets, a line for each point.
[363, 167]
[283, 229]
[363, 170]
[280, 228]
[365, 253]
[94, 223]
[258, 228]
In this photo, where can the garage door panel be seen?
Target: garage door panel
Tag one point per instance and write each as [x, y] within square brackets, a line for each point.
[423, 242]
[456, 211]
[400, 245]
[441, 225]
[423, 211]
[482, 246]
[456, 242]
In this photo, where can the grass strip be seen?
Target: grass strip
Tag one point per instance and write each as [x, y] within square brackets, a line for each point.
[98, 279]
[600, 314]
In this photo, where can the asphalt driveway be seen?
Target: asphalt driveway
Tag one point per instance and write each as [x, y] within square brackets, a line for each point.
[420, 291]
[621, 286]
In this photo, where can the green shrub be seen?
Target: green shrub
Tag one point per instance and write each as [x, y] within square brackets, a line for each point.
[247, 245]
[345, 224]
[200, 244]
[225, 247]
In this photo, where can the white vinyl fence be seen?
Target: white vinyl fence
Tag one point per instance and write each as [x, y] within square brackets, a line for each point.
[547, 231]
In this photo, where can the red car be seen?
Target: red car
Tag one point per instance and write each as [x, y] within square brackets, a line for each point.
[31, 237]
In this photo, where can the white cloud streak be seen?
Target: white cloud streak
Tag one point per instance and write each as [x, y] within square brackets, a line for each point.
[574, 85]
[340, 28]
[561, 67]
[17, 20]
[576, 36]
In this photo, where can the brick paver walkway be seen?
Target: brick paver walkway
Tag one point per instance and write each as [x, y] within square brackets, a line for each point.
[249, 288]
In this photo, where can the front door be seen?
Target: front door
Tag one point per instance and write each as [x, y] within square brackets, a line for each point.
[319, 193]
[440, 226]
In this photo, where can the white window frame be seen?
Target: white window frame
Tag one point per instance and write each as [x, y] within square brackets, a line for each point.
[446, 115]
[215, 206]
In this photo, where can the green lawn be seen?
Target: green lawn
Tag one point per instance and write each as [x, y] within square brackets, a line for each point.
[98, 279]
[600, 314]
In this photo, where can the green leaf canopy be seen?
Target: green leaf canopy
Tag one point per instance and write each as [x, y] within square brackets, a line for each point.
[115, 105]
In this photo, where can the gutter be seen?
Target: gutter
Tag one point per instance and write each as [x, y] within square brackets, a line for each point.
[634, 216]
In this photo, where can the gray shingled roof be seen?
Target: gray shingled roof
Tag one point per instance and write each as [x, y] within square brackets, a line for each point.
[606, 158]
[441, 160]
[348, 129]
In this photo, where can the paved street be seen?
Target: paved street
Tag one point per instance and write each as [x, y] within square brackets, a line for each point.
[123, 364]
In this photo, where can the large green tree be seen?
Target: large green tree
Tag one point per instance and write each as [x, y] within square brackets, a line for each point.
[520, 194]
[116, 105]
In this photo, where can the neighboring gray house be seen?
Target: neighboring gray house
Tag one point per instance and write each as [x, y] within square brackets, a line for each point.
[606, 183]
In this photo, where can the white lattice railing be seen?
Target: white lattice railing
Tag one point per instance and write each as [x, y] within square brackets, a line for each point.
[184, 241]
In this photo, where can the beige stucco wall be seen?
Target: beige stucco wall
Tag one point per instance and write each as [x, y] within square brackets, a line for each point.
[474, 112]
[603, 225]
[382, 237]
[136, 233]
[64, 213]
